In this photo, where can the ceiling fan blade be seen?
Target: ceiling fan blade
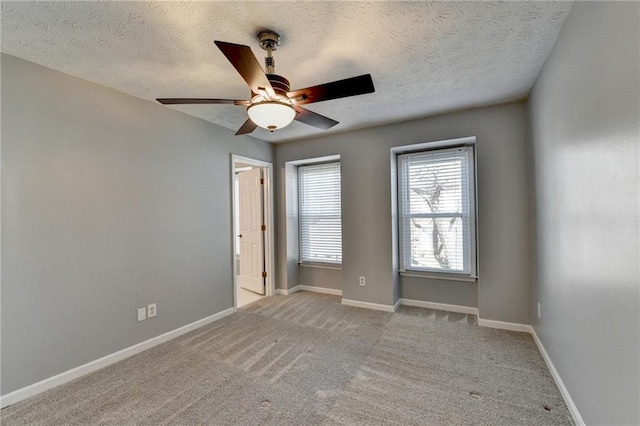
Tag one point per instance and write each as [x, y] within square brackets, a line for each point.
[248, 127]
[176, 101]
[247, 65]
[336, 89]
[314, 119]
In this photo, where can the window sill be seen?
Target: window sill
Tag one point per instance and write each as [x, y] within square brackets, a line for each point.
[332, 266]
[435, 276]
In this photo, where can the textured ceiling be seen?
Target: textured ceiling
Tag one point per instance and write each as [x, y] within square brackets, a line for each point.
[425, 57]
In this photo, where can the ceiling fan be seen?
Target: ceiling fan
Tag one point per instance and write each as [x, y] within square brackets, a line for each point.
[273, 105]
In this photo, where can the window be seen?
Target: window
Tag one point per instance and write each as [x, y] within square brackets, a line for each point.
[436, 206]
[320, 217]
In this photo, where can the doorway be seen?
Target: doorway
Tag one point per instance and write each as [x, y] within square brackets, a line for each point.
[252, 195]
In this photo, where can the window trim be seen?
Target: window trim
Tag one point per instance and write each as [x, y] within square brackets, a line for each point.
[469, 142]
[450, 276]
[317, 162]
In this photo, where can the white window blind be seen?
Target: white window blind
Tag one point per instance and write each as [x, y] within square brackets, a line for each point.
[436, 208]
[319, 213]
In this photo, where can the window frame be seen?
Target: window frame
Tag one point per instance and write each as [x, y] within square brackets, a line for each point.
[301, 261]
[468, 143]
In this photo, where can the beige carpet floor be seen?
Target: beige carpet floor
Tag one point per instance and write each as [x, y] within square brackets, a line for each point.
[304, 359]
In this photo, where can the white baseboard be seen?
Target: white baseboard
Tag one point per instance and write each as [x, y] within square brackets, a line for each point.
[367, 305]
[286, 292]
[501, 325]
[59, 379]
[324, 290]
[314, 289]
[577, 418]
[396, 305]
[440, 306]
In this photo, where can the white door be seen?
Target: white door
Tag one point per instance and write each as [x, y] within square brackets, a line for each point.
[251, 240]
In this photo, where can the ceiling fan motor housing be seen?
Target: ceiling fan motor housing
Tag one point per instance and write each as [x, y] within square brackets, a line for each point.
[279, 83]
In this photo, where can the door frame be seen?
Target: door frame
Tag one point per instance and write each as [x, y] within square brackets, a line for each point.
[269, 243]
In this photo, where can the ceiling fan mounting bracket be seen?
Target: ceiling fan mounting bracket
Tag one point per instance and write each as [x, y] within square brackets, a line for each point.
[269, 40]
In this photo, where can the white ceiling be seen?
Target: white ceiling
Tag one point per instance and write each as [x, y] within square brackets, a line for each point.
[425, 57]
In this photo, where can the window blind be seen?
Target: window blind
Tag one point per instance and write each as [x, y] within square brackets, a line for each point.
[319, 213]
[436, 209]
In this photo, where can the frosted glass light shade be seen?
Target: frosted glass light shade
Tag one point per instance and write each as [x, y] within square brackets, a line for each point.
[271, 115]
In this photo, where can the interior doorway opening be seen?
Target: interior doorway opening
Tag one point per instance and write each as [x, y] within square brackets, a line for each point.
[252, 195]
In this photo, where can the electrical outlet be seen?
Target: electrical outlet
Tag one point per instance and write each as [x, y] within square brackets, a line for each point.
[151, 310]
[142, 314]
[363, 282]
[538, 309]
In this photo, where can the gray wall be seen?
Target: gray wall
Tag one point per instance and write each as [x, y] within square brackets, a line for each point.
[503, 290]
[585, 117]
[440, 291]
[320, 277]
[109, 203]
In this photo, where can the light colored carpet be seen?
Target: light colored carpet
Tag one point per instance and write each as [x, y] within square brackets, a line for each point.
[304, 359]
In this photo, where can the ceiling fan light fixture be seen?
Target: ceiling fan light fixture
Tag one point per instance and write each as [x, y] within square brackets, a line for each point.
[271, 115]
